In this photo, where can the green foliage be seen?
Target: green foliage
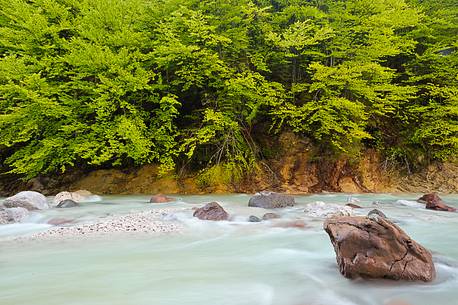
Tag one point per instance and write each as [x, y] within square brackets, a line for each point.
[130, 82]
[221, 175]
[434, 128]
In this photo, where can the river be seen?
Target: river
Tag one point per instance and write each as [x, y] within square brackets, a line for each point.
[217, 263]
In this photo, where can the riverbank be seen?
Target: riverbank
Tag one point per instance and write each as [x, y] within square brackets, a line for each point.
[296, 172]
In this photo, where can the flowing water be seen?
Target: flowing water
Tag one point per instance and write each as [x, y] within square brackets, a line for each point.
[217, 263]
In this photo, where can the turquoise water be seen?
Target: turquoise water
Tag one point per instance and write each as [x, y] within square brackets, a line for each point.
[217, 263]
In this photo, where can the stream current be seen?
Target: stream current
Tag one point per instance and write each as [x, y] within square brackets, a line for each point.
[217, 263]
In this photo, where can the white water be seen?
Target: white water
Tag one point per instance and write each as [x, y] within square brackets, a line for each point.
[217, 263]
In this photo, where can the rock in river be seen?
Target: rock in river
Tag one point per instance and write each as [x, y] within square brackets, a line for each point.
[159, 198]
[67, 203]
[4, 219]
[269, 216]
[59, 221]
[77, 196]
[211, 211]
[354, 206]
[321, 209]
[270, 200]
[376, 248]
[12, 215]
[253, 218]
[434, 202]
[28, 200]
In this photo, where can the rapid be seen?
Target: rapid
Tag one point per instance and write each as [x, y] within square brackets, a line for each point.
[236, 262]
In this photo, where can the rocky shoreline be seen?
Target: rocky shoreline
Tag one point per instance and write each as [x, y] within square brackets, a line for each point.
[294, 173]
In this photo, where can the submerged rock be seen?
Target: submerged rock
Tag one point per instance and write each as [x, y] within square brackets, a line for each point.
[159, 198]
[59, 221]
[434, 202]
[268, 216]
[294, 223]
[321, 209]
[253, 218]
[67, 203]
[270, 200]
[12, 215]
[377, 248]
[211, 211]
[29, 200]
[376, 212]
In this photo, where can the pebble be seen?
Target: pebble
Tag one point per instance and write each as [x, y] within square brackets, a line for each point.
[145, 222]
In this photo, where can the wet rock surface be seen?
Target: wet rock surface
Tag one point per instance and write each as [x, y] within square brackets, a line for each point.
[67, 203]
[295, 223]
[28, 200]
[253, 218]
[268, 216]
[321, 209]
[77, 196]
[354, 206]
[3, 217]
[434, 202]
[211, 211]
[270, 200]
[377, 248]
[12, 215]
[60, 221]
[376, 212]
[159, 198]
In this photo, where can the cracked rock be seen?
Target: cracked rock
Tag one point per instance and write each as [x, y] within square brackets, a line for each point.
[376, 248]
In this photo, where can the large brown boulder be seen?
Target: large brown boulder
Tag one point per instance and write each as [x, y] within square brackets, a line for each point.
[373, 247]
[434, 202]
[270, 200]
[211, 211]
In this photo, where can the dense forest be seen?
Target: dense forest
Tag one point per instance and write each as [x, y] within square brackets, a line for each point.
[207, 84]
